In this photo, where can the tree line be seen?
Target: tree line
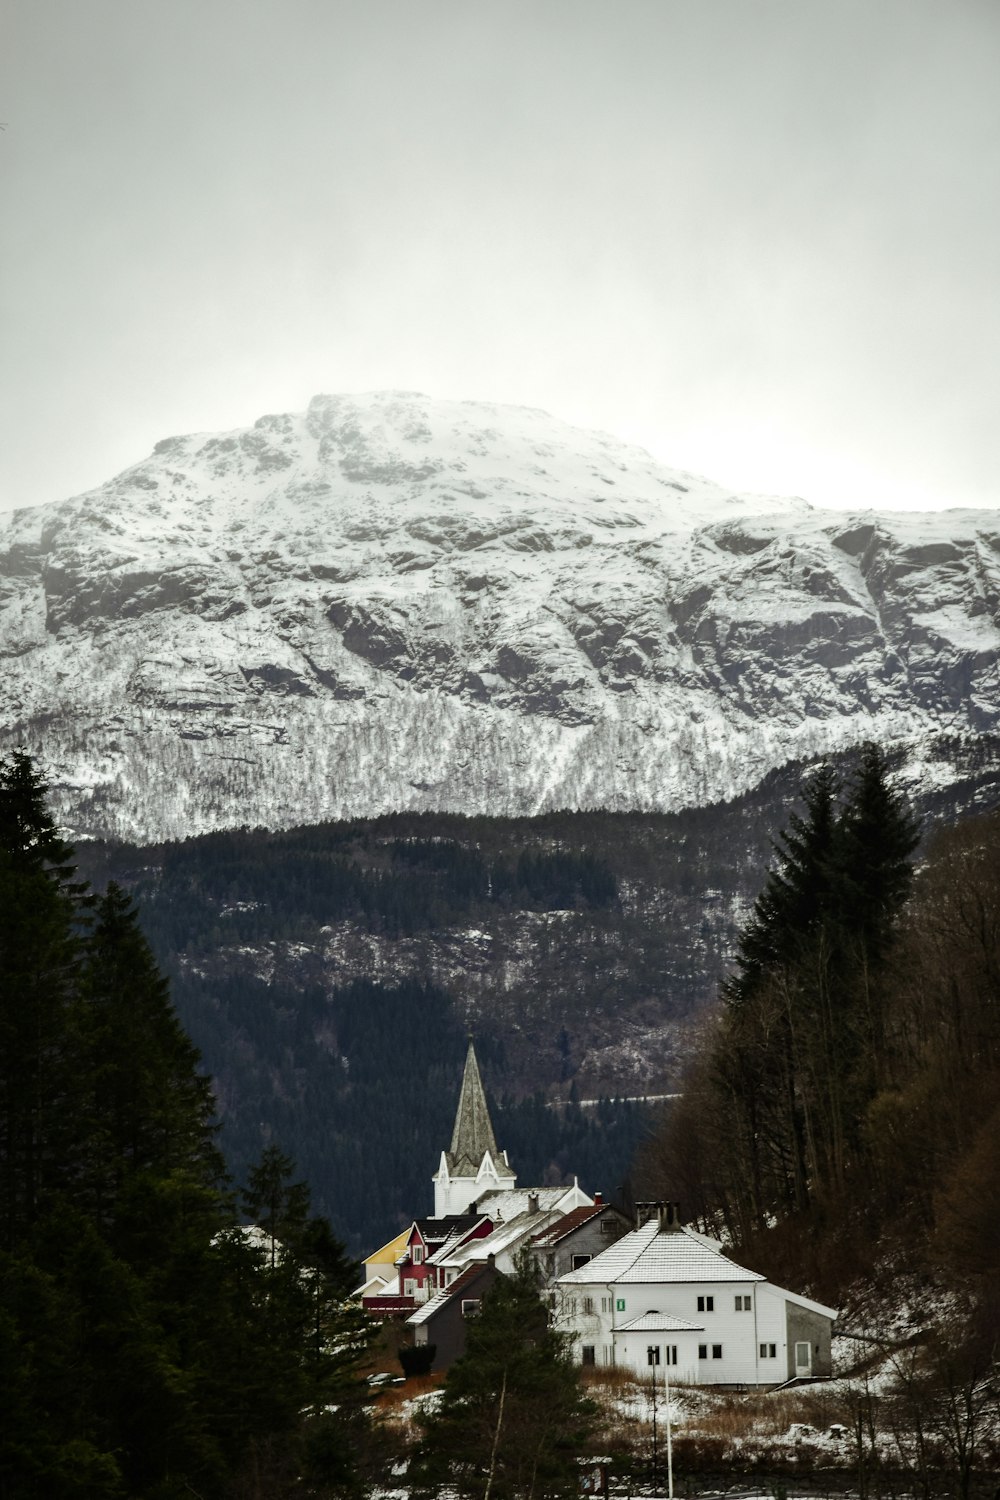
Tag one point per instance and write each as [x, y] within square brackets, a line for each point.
[149, 1346]
[844, 1102]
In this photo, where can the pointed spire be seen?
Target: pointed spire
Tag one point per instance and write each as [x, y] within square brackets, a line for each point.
[473, 1135]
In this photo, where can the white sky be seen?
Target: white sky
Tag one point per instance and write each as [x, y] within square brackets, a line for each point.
[760, 237]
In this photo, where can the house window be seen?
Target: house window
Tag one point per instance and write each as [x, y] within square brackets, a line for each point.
[580, 1260]
[653, 1354]
[607, 1226]
[706, 1304]
[716, 1351]
[743, 1304]
[409, 1287]
[768, 1351]
[587, 1354]
[702, 1351]
[470, 1307]
[588, 1304]
[670, 1351]
[418, 1255]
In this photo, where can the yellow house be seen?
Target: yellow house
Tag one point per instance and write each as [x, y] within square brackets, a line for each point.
[382, 1262]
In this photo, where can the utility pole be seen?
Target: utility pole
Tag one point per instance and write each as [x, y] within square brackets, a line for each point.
[670, 1451]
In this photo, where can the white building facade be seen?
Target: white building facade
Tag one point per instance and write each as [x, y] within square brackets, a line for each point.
[665, 1295]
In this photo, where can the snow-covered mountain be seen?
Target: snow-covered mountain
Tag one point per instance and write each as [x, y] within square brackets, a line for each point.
[392, 602]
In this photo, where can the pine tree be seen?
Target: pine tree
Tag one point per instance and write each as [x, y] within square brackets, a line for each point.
[148, 1112]
[513, 1419]
[797, 893]
[273, 1201]
[41, 909]
[144, 1351]
[801, 1046]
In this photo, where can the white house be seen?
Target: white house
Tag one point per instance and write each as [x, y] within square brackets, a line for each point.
[666, 1295]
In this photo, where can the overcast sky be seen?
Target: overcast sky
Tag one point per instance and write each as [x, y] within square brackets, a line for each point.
[760, 237]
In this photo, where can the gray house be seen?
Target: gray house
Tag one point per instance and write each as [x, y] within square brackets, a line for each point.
[576, 1238]
[442, 1321]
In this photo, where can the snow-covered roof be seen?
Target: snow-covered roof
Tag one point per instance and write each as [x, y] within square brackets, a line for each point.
[462, 1284]
[508, 1203]
[374, 1287]
[506, 1235]
[448, 1249]
[655, 1322]
[566, 1223]
[650, 1254]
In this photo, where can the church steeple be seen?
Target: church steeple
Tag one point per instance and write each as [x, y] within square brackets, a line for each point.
[474, 1165]
[473, 1135]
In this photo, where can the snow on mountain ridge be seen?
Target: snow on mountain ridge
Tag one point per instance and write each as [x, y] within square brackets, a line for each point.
[388, 601]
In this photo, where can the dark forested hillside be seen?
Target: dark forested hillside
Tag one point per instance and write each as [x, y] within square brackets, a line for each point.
[841, 1121]
[330, 974]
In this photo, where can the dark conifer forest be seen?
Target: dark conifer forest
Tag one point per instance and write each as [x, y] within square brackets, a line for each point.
[148, 1346]
[841, 1121]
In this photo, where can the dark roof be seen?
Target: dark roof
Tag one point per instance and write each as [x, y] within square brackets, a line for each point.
[468, 1280]
[568, 1223]
[438, 1230]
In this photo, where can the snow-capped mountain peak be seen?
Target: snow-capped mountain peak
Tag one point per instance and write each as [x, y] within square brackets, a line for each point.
[392, 601]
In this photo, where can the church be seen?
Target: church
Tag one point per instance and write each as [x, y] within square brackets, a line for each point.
[473, 1166]
[481, 1217]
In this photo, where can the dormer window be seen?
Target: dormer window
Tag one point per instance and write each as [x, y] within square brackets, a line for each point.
[418, 1255]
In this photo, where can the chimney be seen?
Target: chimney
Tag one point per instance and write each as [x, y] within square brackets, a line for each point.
[668, 1217]
[598, 1201]
[532, 1203]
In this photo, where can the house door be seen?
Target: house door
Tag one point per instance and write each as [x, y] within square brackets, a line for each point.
[803, 1359]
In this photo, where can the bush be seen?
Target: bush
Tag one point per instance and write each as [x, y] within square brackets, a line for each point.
[417, 1359]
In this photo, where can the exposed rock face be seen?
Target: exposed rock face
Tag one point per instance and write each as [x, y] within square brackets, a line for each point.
[392, 602]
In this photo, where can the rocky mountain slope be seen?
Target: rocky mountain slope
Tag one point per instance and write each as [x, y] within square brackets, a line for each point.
[388, 602]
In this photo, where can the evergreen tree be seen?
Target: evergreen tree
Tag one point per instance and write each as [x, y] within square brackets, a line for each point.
[797, 894]
[41, 907]
[513, 1419]
[279, 1206]
[148, 1110]
[802, 1044]
[144, 1351]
